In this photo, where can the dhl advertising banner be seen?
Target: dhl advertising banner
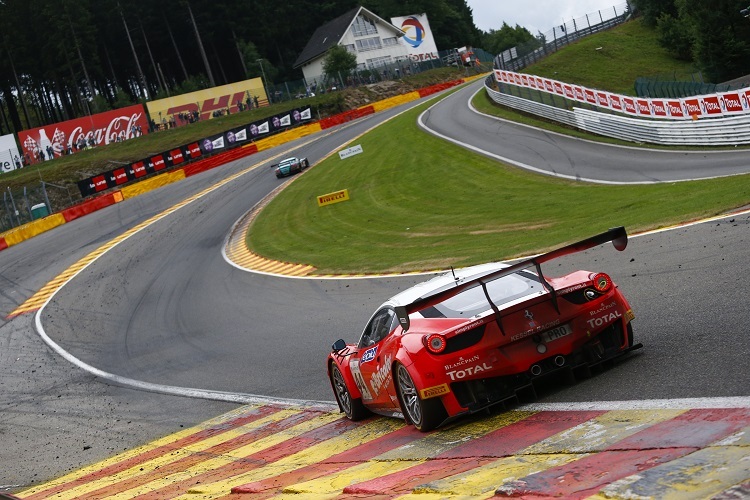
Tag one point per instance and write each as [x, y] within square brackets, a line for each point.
[417, 37]
[705, 106]
[44, 143]
[208, 103]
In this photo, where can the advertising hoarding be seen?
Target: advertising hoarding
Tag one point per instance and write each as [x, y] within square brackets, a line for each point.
[417, 37]
[10, 159]
[206, 104]
[51, 141]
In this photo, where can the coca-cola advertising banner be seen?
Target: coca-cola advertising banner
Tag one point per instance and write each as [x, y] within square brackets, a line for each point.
[704, 106]
[54, 140]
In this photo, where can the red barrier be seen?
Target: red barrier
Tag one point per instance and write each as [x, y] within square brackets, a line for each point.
[432, 89]
[89, 206]
[3, 244]
[346, 116]
[218, 160]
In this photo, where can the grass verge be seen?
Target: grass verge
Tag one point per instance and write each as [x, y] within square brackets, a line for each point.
[424, 204]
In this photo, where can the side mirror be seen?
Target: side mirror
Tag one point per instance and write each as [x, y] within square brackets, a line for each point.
[338, 345]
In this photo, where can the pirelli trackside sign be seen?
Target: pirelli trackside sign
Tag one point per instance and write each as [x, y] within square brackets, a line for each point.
[335, 197]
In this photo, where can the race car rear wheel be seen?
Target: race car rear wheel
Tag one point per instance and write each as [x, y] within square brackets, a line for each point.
[425, 414]
[353, 408]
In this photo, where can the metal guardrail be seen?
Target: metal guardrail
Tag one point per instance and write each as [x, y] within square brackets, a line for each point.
[727, 131]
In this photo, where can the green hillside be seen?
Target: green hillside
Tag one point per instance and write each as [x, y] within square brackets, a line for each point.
[612, 60]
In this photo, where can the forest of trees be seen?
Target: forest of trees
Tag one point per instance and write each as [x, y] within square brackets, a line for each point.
[714, 35]
[68, 58]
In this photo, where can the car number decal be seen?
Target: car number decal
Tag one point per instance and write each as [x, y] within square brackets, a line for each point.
[556, 333]
[359, 379]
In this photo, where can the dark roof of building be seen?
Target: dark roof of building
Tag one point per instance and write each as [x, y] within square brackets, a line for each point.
[330, 34]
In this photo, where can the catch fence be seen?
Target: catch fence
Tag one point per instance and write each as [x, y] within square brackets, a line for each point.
[558, 37]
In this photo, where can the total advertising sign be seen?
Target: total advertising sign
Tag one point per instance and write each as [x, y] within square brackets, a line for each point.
[417, 37]
[103, 128]
[206, 103]
[704, 106]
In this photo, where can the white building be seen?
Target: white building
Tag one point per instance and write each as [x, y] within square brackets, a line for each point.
[373, 39]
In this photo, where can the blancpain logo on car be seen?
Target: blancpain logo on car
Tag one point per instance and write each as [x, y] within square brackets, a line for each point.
[461, 361]
[468, 371]
[607, 318]
[602, 308]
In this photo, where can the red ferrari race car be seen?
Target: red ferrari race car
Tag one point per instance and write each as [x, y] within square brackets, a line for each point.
[472, 338]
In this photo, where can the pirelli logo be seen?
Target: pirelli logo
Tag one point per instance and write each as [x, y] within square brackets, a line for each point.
[432, 392]
[335, 197]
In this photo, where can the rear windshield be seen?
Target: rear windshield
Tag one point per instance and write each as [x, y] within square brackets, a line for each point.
[473, 301]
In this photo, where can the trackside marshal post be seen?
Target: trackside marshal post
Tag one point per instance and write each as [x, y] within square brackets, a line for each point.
[335, 197]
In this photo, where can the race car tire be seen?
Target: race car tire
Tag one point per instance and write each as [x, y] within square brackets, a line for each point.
[630, 335]
[352, 407]
[424, 414]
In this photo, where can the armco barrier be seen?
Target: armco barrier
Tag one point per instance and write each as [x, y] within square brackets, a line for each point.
[90, 206]
[33, 228]
[708, 132]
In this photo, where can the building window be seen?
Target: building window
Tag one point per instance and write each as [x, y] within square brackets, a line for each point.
[350, 47]
[368, 44]
[388, 42]
[378, 61]
[363, 26]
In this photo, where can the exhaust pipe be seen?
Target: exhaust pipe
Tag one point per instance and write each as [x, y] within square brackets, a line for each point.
[536, 370]
[559, 360]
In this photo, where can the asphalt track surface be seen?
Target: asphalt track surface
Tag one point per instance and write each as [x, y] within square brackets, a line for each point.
[164, 307]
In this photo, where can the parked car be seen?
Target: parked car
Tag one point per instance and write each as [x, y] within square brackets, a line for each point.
[290, 166]
[472, 338]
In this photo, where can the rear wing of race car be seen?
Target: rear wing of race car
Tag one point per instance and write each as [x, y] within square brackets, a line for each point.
[618, 236]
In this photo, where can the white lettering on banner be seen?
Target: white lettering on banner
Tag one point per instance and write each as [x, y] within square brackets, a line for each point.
[354, 150]
[107, 134]
[696, 107]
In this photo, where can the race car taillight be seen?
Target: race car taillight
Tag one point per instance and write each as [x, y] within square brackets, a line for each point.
[434, 343]
[602, 283]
